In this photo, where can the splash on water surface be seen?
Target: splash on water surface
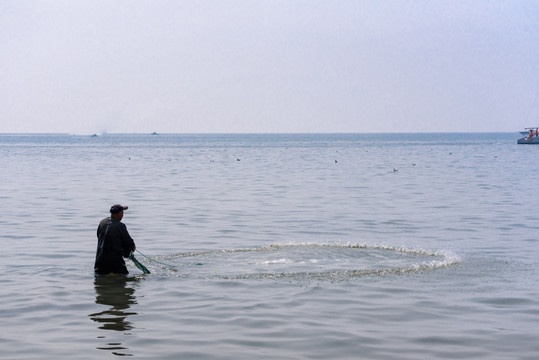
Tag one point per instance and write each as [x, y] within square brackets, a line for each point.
[301, 261]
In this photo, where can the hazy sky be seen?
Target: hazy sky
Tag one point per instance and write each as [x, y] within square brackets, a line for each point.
[219, 66]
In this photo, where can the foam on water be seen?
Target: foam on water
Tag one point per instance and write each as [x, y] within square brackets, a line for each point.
[302, 261]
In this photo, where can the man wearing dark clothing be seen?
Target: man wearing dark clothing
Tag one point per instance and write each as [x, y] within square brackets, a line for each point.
[113, 243]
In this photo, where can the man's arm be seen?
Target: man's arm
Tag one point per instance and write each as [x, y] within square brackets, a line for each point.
[127, 242]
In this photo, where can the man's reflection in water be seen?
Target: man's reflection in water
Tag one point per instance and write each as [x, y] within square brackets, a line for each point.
[116, 292]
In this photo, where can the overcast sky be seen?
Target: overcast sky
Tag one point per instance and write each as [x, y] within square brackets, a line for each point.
[229, 66]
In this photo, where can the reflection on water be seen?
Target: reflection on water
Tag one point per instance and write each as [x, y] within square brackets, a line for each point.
[117, 294]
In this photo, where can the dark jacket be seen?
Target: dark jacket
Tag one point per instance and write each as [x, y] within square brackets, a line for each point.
[113, 244]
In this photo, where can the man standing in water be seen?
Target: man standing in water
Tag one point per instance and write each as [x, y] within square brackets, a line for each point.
[113, 243]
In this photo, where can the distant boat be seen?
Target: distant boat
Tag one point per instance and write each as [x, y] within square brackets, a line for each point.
[94, 135]
[154, 133]
[530, 136]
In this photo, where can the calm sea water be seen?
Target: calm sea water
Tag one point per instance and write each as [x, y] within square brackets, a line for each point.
[355, 246]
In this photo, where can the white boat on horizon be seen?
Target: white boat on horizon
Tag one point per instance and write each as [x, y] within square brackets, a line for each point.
[531, 136]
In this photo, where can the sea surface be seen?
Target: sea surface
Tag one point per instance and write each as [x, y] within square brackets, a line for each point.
[272, 246]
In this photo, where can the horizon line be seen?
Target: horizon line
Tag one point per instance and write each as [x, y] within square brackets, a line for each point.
[256, 133]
